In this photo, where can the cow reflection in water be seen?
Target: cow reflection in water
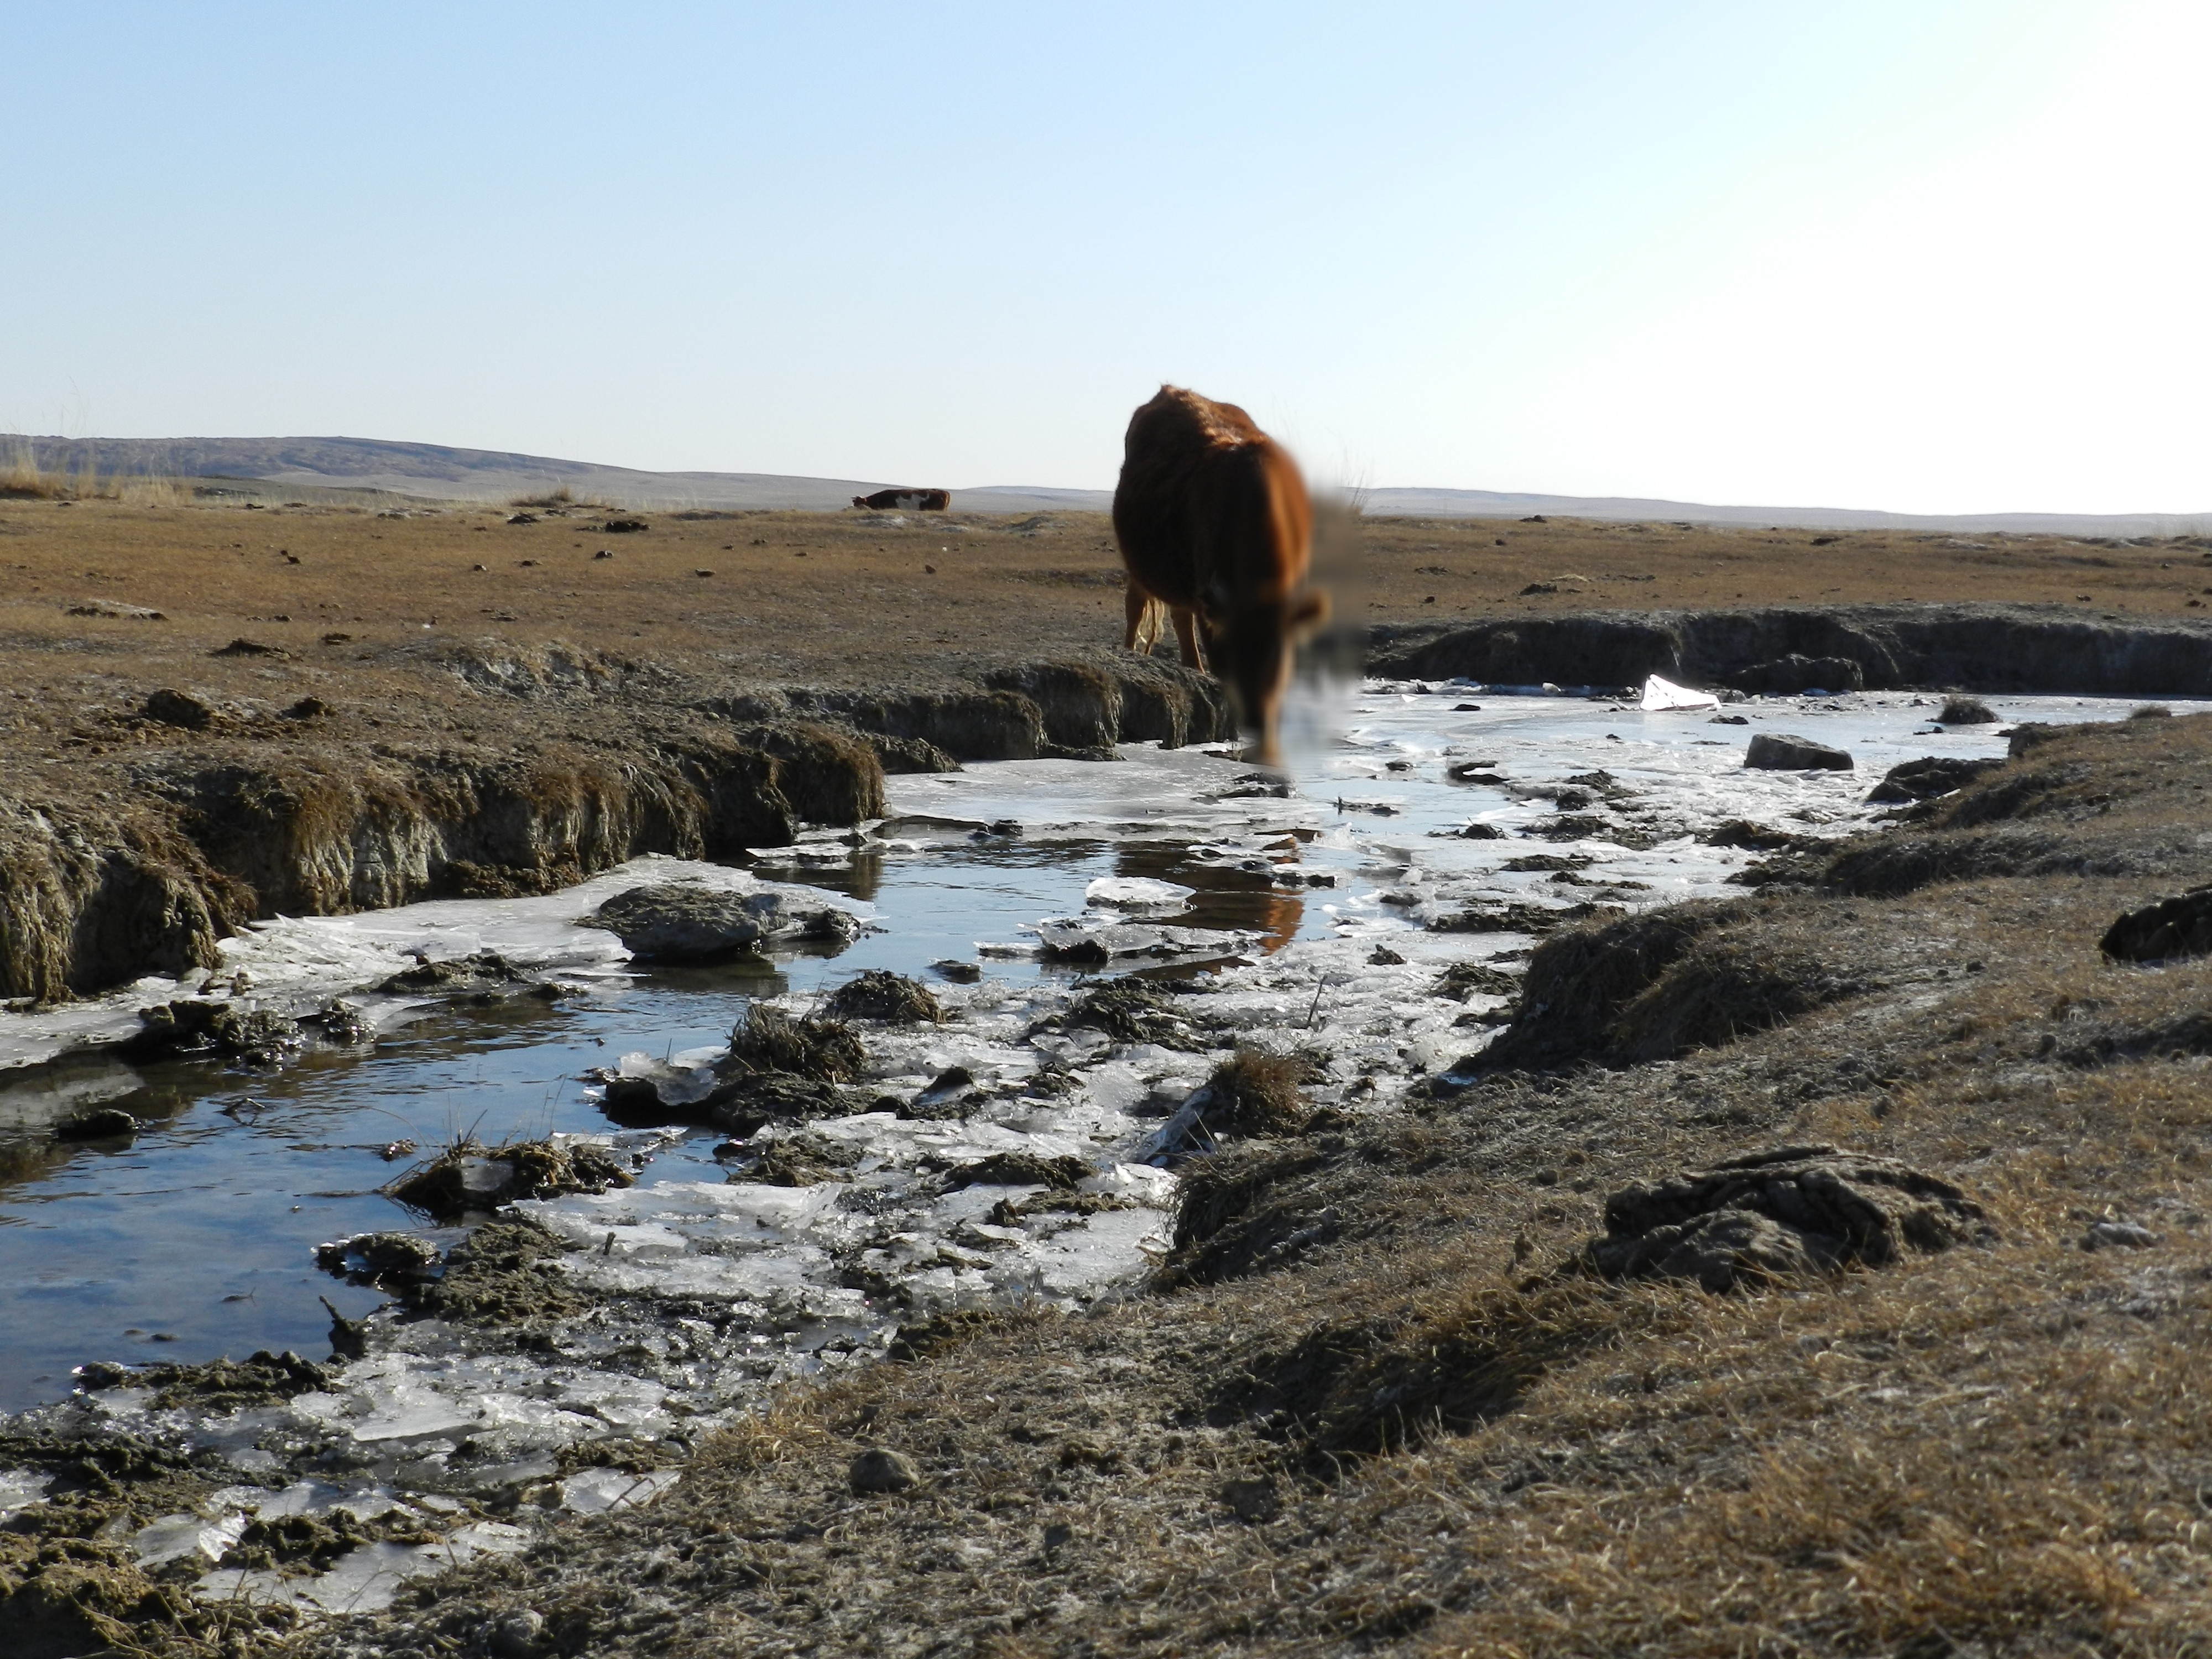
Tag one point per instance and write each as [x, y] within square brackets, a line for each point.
[1228, 897]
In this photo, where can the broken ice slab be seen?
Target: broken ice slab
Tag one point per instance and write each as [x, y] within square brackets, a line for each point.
[1136, 893]
[363, 1580]
[305, 1497]
[1086, 939]
[174, 1537]
[594, 1492]
[21, 1488]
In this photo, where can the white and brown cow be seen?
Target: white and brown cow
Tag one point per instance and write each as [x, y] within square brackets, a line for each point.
[907, 501]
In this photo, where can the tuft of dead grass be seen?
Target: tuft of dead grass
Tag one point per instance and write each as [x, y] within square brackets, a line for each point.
[1256, 1093]
[820, 1048]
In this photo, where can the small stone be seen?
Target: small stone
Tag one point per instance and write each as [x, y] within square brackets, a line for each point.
[515, 1637]
[878, 1469]
[2117, 1235]
[1251, 1500]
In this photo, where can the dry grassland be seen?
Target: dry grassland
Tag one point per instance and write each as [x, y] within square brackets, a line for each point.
[860, 599]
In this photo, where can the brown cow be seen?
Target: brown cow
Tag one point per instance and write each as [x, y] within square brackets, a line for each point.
[1214, 524]
[909, 501]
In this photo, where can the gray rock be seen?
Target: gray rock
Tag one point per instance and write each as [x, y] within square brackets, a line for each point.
[1776, 751]
[879, 1469]
[2117, 1235]
[683, 923]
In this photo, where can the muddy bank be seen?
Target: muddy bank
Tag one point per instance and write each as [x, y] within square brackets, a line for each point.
[162, 824]
[1977, 648]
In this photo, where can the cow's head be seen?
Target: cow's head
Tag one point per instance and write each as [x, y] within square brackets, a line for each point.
[1251, 648]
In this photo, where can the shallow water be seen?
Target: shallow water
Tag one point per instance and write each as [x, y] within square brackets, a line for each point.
[196, 1240]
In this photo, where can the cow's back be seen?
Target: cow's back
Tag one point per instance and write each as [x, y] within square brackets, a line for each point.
[1209, 511]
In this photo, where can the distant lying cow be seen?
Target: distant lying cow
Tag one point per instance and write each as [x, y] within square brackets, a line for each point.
[1213, 522]
[907, 501]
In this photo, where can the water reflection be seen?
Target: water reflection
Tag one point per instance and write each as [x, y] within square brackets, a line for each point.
[1230, 895]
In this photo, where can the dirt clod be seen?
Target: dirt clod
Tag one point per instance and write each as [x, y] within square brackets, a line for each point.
[178, 708]
[1255, 1094]
[2178, 927]
[379, 1258]
[1784, 1213]
[880, 1470]
[1134, 1011]
[1925, 778]
[1020, 1169]
[251, 1037]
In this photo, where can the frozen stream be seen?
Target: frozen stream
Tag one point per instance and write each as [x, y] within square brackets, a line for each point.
[195, 1239]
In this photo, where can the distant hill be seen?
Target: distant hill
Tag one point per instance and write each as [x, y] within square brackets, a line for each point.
[1490, 504]
[317, 467]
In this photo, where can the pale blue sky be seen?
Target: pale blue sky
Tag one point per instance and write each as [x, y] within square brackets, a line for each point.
[1923, 256]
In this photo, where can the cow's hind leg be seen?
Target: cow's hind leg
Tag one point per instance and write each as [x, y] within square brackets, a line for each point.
[1186, 627]
[1137, 606]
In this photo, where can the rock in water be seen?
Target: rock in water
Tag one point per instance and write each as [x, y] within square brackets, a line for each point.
[377, 1258]
[683, 923]
[469, 1178]
[188, 1025]
[2177, 927]
[1790, 1211]
[878, 1469]
[1776, 751]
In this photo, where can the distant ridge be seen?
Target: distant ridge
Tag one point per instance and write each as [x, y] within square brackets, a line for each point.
[375, 466]
[1490, 504]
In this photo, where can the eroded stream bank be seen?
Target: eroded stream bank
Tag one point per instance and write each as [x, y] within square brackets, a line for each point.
[1001, 1159]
